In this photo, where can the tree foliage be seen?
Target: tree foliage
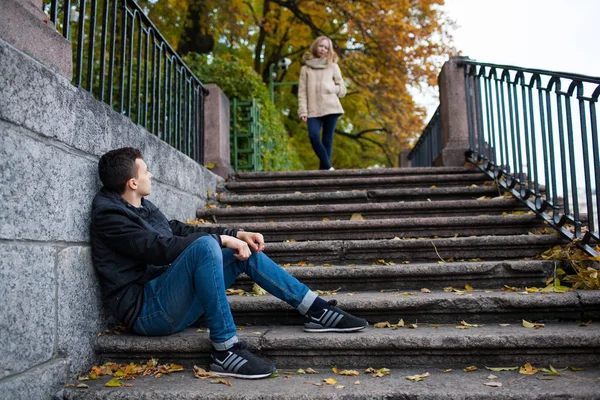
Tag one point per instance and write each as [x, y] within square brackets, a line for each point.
[385, 48]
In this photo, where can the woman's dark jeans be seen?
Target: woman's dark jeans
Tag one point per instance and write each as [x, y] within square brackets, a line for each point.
[322, 145]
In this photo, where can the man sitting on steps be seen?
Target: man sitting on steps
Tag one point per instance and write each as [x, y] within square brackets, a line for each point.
[159, 276]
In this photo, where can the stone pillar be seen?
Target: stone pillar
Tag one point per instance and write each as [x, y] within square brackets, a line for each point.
[216, 131]
[26, 27]
[403, 161]
[453, 115]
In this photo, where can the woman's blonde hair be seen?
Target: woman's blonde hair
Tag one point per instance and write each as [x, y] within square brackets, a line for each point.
[332, 57]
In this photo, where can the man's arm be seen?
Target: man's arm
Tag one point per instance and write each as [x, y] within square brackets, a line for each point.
[129, 238]
[181, 229]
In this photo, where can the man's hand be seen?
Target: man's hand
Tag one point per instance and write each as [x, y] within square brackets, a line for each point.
[240, 248]
[254, 240]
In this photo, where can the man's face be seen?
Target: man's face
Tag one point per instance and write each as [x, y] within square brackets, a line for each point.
[143, 178]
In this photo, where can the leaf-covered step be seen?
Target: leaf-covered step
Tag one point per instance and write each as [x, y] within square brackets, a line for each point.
[347, 173]
[450, 306]
[436, 384]
[382, 274]
[356, 196]
[395, 228]
[488, 248]
[432, 346]
[338, 183]
[446, 208]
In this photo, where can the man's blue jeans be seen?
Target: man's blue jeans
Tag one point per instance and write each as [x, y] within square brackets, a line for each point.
[322, 145]
[195, 284]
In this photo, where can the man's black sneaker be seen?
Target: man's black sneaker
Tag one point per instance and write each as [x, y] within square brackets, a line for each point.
[332, 319]
[240, 363]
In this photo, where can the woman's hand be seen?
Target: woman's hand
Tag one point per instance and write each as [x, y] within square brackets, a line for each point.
[304, 119]
[240, 248]
[255, 240]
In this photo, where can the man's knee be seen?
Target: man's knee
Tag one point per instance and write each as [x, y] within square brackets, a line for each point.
[207, 246]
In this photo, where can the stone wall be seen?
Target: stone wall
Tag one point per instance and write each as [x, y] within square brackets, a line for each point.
[51, 136]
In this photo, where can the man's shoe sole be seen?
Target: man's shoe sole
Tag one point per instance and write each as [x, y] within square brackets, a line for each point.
[355, 329]
[234, 375]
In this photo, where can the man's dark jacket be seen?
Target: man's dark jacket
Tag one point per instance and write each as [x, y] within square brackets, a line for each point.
[131, 246]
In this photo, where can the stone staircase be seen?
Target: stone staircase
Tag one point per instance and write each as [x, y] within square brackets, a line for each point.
[389, 245]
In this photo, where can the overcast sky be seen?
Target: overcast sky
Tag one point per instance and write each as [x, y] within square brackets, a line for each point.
[558, 35]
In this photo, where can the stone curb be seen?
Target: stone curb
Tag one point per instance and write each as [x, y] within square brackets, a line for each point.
[433, 346]
[487, 248]
[393, 228]
[367, 210]
[414, 276]
[437, 307]
[358, 196]
[438, 385]
[325, 185]
[316, 174]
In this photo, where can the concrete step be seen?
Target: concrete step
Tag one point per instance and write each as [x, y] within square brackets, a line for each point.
[357, 196]
[436, 346]
[438, 307]
[414, 276]
[439, 385]
[394, 228]
[348, 173]
[488, 248]
[342, 183]
[367, 210]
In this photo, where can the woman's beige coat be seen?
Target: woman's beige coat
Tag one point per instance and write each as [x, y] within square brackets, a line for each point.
[320, 88]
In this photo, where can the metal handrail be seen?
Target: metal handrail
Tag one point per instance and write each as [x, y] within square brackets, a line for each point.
[126, 54]
[523, 132]
[429, 145]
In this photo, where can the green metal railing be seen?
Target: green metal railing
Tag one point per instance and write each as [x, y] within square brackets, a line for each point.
[245, 136]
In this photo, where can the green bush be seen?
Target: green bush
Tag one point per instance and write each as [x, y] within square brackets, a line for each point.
[238, 80]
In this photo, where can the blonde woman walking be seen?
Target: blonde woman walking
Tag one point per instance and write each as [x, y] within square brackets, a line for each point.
[320, 88]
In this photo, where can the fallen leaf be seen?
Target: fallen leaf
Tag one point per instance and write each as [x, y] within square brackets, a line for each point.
[469, 288]
[447, 370]
[585, 323]
[528, 369]
[425, 290]
[200, 330]
[358, 382]
[210, 166]
[339, 387]
[411, 326]
[231, 292]
[493, 384]
[348, 372]
[258, 290]
[381, 372]
[385, 324]
[499, 369]
[330, 381]
[203, 374]
[505, 325]
[221, 381]
[535, 325]
[357, 217]
[113, 383]
[470, 368]
[466, 324]
[82, 386]
[575, 369]
[311, 371]
[492, 377]
[326, 219]
[550, 371]
[418, 377]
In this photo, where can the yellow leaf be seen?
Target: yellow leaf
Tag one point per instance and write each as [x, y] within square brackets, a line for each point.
[357, 217]
[113, 383]
[550, 371]
[535, 325]
[504, 325]
[82, 386]
[119, 374]
[469, 288]
[464, 323]
[326, 219]
[411, 326]
[385, 324]
[418, 377]
[532, 289]
[311, 371]
[425, 290]
[334, 370]
[348, 372]
[499, 369]
[576, 369]
[175, 368]
[470, 368]
[528, 369]
[221, 381]
[202, 374]
[492, 377]
[258, 290]
[210, 165]
[447, 370]
[357, 383]
[432, 187]
[330, 381]
[339, 387]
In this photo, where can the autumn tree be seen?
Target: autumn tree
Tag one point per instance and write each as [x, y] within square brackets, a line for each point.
[385, 48]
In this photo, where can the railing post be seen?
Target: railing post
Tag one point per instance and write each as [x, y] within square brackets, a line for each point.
[24, 26]
[216, 131]
[453, 114]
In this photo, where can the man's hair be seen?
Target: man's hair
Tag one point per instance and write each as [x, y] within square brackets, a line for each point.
[117, 167]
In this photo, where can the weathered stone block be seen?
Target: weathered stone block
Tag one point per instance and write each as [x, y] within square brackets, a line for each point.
[80, 313]
[42, 382]
[28, 317]
[45, 191]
